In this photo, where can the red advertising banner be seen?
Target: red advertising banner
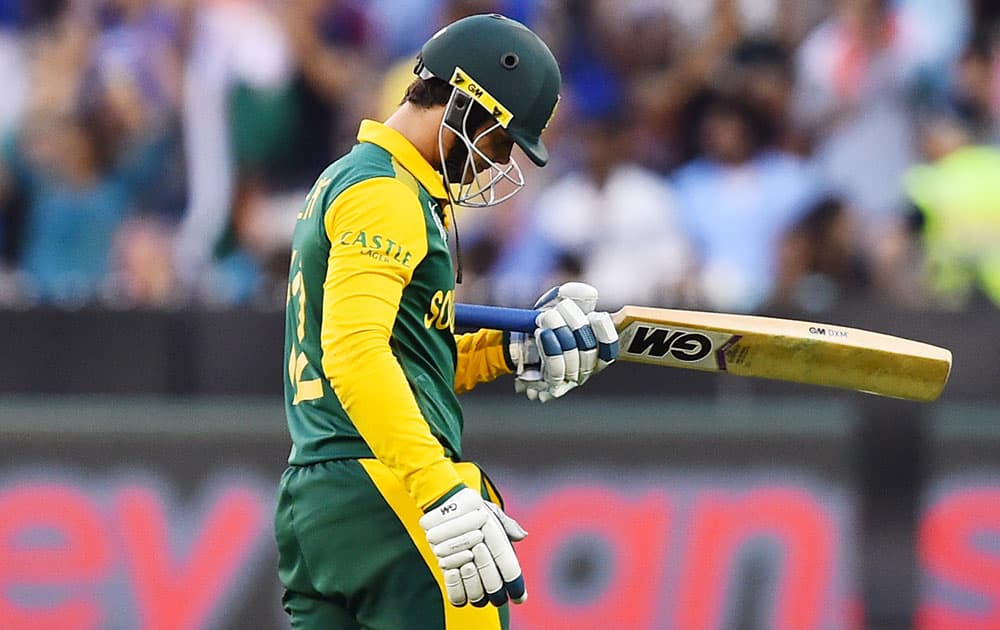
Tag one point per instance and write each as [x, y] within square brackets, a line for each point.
[959, 554]
[608, 551]
[675, 551]
[124, 552]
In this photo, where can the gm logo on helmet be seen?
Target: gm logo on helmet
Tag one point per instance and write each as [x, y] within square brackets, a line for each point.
[461, 80]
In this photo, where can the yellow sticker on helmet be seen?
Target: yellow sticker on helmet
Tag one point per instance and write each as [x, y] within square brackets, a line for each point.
[463, 82]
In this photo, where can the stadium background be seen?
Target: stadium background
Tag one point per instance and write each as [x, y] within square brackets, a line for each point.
[825, 160]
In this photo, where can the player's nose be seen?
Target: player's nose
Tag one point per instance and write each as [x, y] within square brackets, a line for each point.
[503, 148]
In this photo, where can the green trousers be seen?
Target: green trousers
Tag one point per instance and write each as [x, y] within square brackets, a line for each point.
[352, 554]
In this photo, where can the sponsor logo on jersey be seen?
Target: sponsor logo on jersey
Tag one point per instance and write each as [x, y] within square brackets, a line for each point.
[441, 311]
[377, 246]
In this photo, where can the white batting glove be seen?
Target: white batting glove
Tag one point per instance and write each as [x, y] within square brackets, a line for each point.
[471, 538]
[571, 344]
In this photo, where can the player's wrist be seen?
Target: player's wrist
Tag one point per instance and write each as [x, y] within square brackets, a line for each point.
[509, 360]
[444, 498]
[430, 483]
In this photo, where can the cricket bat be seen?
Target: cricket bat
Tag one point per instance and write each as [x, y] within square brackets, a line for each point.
[765, 347]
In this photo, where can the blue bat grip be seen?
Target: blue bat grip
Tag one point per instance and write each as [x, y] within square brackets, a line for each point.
[495, 317]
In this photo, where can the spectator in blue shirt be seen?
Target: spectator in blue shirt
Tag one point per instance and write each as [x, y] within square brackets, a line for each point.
[76, 194]
[738, 198]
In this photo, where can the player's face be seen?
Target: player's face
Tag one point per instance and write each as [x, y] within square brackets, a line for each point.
[497, 146]
[478, 161]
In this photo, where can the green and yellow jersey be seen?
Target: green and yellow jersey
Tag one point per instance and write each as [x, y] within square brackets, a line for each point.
[373, 364]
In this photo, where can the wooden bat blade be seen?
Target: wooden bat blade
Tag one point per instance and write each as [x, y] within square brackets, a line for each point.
[785, 350]
[764, 347]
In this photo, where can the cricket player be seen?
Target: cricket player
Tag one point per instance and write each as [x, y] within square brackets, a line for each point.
[380, 523]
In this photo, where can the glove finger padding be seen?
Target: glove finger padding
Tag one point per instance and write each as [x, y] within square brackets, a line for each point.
[553, 362]
[454, 587]
[474, 591]
[584, 295]
[583, 337]
[455, 560]
[530, 386]
[513, 529]
[527, 379]
[455, 527]
[490, 575]
[532, 390]
[458, 544]
[558, 391]
[506, 560]
[540, 390]
[557, 346]
[523, 352]
[607, 339]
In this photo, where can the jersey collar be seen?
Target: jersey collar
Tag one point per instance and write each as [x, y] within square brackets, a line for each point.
[405, 153]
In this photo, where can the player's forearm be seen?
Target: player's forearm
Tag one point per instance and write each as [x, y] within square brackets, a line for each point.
[382, 407]
[482, 357]
[374, 392]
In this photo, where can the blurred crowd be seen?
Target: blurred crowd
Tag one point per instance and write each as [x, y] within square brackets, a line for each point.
[740, 155]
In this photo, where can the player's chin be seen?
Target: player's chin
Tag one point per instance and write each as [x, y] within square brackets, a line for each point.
[458, 173]
[471, 177]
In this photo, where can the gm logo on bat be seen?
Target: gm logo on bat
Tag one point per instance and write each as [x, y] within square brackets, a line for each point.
[697, 349]
[827, 332]
[689, 347]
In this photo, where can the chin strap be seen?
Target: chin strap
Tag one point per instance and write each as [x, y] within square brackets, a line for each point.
[452, 225]
[458, 245]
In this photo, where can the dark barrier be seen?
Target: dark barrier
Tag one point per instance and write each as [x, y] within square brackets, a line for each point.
[155, 513]
[240, 352]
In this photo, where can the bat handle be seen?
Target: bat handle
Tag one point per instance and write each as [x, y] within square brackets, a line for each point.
[495, 317]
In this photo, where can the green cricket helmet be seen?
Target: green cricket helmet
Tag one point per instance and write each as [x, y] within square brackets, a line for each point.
[503, 66]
